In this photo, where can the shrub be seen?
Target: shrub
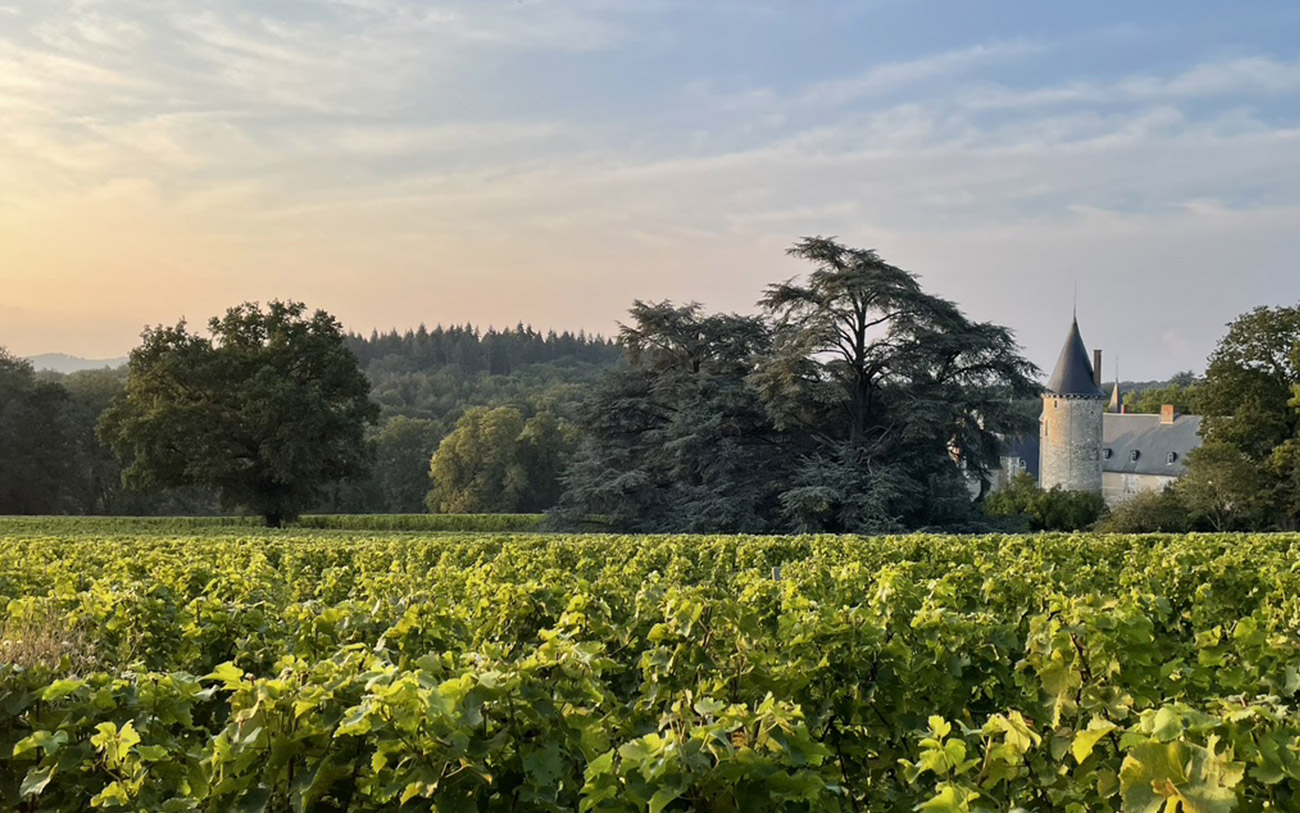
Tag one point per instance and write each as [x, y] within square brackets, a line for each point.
[1054, 509]
[1159, 511]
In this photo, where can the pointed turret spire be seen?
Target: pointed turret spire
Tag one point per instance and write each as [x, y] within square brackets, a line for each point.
[1116, 399]
[1073, 375]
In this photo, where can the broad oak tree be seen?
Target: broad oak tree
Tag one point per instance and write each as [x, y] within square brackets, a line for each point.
[266, 409]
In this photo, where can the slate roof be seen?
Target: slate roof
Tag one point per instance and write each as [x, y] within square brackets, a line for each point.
[1124, 434]
[1073, 373]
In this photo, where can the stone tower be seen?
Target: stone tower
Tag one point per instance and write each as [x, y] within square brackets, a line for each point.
[1070, 431]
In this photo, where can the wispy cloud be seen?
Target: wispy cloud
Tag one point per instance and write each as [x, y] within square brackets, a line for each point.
[895, 76]
[1238, 79]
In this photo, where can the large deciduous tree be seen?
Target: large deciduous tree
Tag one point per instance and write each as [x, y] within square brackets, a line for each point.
[1250, 379]
[266, 409]
[1251, 402]
[403, 447]
[495, 461]
[893, 385]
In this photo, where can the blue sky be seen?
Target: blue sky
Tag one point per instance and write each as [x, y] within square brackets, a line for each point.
[548, 161]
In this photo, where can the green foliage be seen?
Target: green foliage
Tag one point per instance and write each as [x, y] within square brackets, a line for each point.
[403, 447]
[431, 523]
[424, 380]
[847, 491]
[1224, 489]
[1249, 380]
[36, 444]
[1183, 392]
[267, 410]
[1054, 509]
[244, 669]
[878, 373]
[858, 402]
[438, 523]
[1249, 473]
[496, 462]
[680, 440]
[433, 376]
[1157, 511]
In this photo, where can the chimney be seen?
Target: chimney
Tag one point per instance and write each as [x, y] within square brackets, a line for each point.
[1166, 414]
[1096, 368]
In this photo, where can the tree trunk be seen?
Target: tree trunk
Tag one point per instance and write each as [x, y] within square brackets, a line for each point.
[274, 519]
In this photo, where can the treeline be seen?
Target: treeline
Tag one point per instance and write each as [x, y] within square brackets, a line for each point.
[470, 350]
[51, 461]
[1183, 392]
[852, 401]
[425, 380]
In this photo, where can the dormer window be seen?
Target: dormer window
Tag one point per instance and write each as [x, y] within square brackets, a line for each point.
[1106, 453]
[1134, 455]
[1173, 456]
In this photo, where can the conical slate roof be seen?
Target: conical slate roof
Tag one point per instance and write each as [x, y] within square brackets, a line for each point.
[1073, 373]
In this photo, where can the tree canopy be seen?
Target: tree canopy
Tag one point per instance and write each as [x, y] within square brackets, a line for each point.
[1251, 401]
[496, 462]
[36, 446]
[266, 409]
[679, 441]
[893, 386]
[855, 402]
[1183, 391]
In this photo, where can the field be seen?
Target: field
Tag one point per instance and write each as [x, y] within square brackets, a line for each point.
[226, 668]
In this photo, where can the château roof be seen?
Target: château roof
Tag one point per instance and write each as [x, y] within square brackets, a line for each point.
[1142, 444]
[1073, 373]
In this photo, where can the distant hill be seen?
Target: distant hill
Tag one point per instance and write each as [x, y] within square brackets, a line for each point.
[63, 363]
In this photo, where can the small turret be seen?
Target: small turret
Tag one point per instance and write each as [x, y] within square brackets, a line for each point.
[1074, 376]
[1070, 431]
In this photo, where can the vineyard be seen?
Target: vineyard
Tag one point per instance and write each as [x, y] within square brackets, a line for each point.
[222, 669]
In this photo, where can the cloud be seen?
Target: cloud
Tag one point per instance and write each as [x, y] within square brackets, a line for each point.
[894, 76]
[1237, 79]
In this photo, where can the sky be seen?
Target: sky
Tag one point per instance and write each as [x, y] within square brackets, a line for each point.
[399, 162]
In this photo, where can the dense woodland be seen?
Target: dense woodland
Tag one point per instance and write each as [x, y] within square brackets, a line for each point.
[424, 381]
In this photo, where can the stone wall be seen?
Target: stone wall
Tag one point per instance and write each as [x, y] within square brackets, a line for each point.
[1119, 486]
[1070, 439]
